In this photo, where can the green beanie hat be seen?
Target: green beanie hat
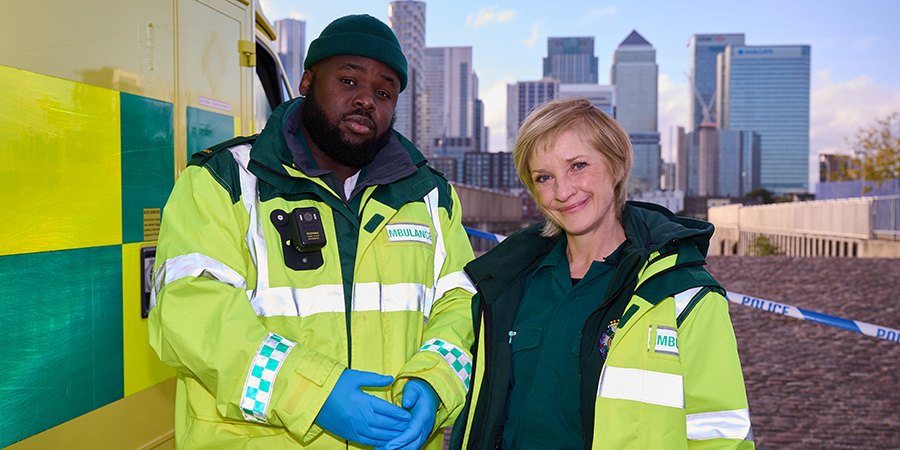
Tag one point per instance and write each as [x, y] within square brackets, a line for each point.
[359, 35]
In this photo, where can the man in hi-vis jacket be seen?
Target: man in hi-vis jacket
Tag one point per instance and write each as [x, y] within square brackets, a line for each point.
[308, 284]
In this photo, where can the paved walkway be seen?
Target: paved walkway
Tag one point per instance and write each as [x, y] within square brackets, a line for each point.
[813, 386]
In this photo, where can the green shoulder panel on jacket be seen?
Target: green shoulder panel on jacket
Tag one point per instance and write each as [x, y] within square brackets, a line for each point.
[221, 164]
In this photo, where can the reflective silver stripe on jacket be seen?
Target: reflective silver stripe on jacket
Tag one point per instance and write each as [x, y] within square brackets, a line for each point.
[683, 298]
[255, 238]
[645, 386]
[452, 281]
[719, 425]
[388, 297]
[288, 301]
[193, 265]
[440, 254]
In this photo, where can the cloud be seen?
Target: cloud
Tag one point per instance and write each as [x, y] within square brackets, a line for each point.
[298, 15]
[485, 16]
[495, 114]
[600, 12]
[839, 109]
[268, 8]
[532, 41]
[674, 99]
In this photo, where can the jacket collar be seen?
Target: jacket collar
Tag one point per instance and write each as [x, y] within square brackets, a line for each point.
[648, 228]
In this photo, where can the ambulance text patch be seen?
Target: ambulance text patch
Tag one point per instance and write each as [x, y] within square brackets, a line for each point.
[408, 232]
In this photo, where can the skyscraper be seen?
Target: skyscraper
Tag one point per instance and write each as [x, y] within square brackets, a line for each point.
[708, 167]
[702, 51]
[407, 19]
[603, 96]
[491, 170]
[738, 163]
[450, 94]
[682, 160]
[647, 162]
[571, 60]
[290, 43]
[521, 98]
[635, 73]
[717, 163]
[481, 131]
[766, 89]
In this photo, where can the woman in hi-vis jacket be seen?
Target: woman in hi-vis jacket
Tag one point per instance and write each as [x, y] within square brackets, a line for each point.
[599, 328]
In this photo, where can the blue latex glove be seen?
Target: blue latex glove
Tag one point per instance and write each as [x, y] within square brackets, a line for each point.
[421, 400]
[356, 416]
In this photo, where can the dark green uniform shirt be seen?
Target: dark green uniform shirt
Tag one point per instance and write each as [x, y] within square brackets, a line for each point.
[544, 395]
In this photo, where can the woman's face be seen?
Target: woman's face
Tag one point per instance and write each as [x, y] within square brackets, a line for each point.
[574, 186]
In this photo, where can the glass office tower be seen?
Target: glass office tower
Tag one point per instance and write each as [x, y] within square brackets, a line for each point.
[766, 89]
[290, 43]
[702, 51]
[521, 98]
[571, 60]
[407, 19]
[635, 74]
[450, 95]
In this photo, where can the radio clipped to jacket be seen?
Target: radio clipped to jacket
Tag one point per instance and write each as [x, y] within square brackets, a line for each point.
[302, 237]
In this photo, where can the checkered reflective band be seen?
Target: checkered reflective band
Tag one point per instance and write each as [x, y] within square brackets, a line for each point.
[454, 356]
[261, 378]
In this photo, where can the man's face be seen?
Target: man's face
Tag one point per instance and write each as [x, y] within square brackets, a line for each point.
[349, 107]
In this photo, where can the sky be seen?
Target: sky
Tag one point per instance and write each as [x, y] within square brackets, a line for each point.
[855, 75]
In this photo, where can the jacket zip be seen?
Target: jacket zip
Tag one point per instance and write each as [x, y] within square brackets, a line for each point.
[476, 321]
[347, 314]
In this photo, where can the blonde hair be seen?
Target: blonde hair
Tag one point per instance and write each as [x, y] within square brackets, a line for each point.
[549, 121]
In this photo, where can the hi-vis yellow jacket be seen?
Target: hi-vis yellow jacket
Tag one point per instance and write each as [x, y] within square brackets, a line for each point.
[672, 378]
[260, 333]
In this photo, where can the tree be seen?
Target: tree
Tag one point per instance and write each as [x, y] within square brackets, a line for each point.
[875, 152]
[762, 246]
[761, 195]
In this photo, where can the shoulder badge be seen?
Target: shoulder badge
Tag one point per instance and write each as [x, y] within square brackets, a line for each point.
[606, 338]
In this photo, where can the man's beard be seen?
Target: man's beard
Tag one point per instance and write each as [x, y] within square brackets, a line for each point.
[330, 139]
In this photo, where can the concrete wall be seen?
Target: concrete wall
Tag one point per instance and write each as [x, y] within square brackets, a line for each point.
[849, 218]
[832, 228]
[488, 205]
[492, 211]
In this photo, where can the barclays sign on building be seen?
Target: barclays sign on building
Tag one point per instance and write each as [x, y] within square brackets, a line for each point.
[718, 40]
[777, 51]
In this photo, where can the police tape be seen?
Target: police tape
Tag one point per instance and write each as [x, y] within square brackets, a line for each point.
[485, 235]
[857, 326]
[804, 314]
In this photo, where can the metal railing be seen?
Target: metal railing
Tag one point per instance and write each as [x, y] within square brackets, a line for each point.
[886, 217]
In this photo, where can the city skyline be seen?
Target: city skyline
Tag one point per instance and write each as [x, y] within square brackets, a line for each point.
[853, 82]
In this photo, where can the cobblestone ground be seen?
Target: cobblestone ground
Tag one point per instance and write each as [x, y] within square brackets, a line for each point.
[814, 386]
